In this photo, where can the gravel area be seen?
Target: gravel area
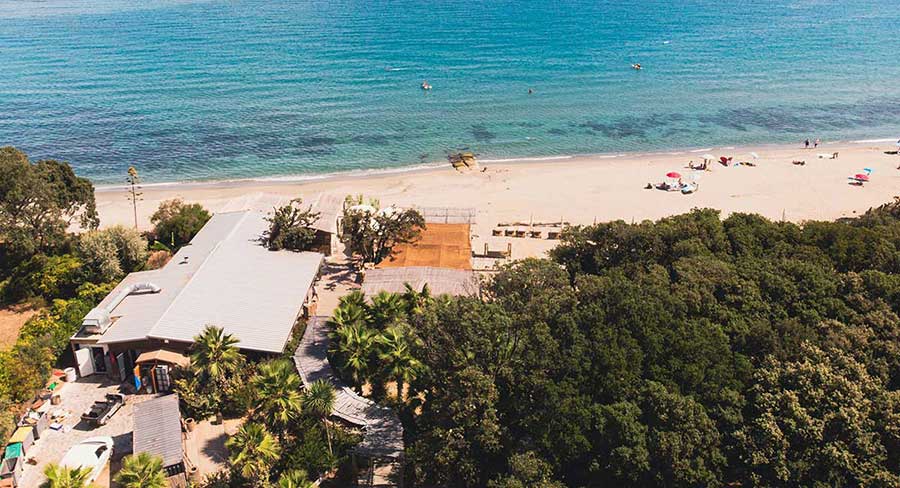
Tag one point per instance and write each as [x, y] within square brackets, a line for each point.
[76, 399]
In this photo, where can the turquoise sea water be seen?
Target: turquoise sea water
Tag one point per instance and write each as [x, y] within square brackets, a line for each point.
[191, 90]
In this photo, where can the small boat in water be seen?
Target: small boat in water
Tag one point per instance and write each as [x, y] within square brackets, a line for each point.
[636, 66]
[426, 86]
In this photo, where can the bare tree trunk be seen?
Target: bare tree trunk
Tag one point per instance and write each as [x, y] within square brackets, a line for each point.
[328, 435]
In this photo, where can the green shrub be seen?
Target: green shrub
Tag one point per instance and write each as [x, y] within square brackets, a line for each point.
[43, 276]
[175, 223]
[109, 253]
[290, 227]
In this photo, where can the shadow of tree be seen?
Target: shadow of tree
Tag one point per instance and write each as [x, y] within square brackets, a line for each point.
[214, 448]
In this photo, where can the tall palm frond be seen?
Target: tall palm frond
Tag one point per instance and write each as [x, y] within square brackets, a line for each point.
[142, 470]
[61, 477]
[277, 386]
[215, 354]
[254, 451]
[319, 402]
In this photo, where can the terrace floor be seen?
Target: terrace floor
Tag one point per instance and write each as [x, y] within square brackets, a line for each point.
[205, 445]
[76, 398]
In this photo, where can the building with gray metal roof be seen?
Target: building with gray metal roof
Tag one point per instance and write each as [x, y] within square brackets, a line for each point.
[157, 430]
[224, 277]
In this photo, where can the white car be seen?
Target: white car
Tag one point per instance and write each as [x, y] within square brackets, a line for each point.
[92, 453]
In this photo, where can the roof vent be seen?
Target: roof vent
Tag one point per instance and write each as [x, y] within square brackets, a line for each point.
[98, 319]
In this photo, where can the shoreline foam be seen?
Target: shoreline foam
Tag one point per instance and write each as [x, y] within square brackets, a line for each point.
[424, 167]
[578, 189]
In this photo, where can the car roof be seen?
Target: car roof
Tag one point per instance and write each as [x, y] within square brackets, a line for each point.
[84, 454]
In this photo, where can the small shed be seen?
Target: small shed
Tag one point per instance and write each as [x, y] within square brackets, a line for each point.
[330, 208]
[157, 431]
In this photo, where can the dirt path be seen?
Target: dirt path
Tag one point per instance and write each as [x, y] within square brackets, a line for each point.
[12, 319]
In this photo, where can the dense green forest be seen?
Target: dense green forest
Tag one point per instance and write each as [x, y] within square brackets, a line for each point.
[692, 351]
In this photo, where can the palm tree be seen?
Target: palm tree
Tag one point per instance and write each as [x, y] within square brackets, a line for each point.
[395, 354]
[143, 470]
[355, 297]
[416, 301]
[385, 309]
[295, 478]
[253, 451]
[356, 346]
[60, 477]
[278, 388]
[348, 314]
[215, 354]
[319, 402]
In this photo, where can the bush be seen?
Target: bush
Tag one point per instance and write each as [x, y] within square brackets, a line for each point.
[372, 233]
[158, 259]
[108, 254]
[43, 276]
[176, 223]
[290, 227]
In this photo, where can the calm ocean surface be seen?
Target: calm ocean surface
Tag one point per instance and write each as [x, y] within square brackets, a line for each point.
[193, 90]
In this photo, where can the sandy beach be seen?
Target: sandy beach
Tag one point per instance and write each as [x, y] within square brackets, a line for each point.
[579, 190]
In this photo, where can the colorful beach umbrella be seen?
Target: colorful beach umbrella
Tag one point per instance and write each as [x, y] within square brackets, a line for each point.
[868, 170]
[673, 175]
[861, 177]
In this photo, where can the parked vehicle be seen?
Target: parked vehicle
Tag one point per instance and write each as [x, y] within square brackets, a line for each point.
[102, 411]
[92, 453]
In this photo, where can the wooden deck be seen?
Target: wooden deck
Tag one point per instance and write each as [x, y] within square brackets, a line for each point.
[383, 431]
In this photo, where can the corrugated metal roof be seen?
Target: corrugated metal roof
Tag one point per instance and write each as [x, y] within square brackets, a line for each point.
[441, 281]
[253, 293]
[157, 429]
[138, 314]
[225, 277]
[384, 431]
[330, 207]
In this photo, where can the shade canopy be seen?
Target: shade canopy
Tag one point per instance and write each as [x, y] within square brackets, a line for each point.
[164, 356]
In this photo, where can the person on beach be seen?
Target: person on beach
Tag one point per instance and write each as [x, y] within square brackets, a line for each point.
[806, 143]
[816, 144]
